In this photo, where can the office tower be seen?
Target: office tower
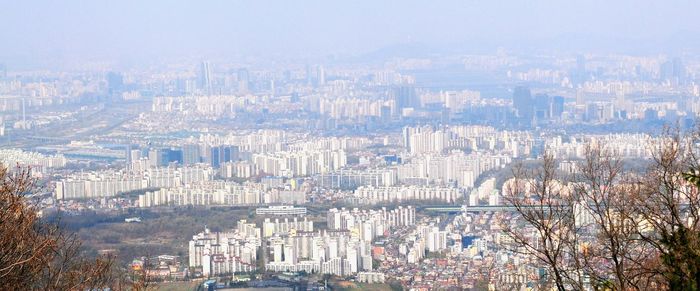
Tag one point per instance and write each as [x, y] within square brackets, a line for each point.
[231, 153]
[678, 69]
[581, 63]
[215, 156]
[579, 74]
[190, 154]
[523, 103]
[666, 70]
[115, 83]
[205, 83]
[243, 80]
[673, 71]
[3, 71]
[127, 154]
[405, 97]
[321, 76]
[172, 155]
[226, 154]
[596, 112]
[542, 106]
[385, 113]
[184, 86]
[557, 106]
[222, 154]
[162, 157]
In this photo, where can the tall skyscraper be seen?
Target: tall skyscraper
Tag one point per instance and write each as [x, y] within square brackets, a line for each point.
[190, 154]
[542, 106]
[115, 83]
[172, 155]
[127, 153]
[557, 106]
[321, 76]
[222, 154]
[673, 70]
[272, 87]
[579, 74]
[678, 68]
[523, 103]
[405, 97]
[205, 83]
[581, 63]
[243, 79]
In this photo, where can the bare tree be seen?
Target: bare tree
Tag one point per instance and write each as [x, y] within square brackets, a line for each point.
[619, 230]
[668, 208]
[38, 255]
[615, 256]
[550, 233]
[142, 277]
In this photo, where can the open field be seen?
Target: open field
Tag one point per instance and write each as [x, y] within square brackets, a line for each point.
[355, 286]
[162, 232]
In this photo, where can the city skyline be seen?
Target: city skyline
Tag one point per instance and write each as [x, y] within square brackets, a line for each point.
[364, 145]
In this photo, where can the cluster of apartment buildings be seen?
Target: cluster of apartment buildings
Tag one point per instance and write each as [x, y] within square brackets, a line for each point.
[108, 183]
[374, 195]
[293, 245]
[370, 224]
[303, 163]
[623, 145]
[37, 162]
[226, 252]
[220, 193]
[429, 139]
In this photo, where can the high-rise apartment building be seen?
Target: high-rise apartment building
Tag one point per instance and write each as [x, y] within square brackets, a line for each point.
[205, 82]
[523, 103]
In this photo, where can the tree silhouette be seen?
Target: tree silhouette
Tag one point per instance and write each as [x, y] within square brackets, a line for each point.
[37, 255]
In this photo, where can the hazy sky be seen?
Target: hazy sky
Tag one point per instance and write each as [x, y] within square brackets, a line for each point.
[126, 29]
